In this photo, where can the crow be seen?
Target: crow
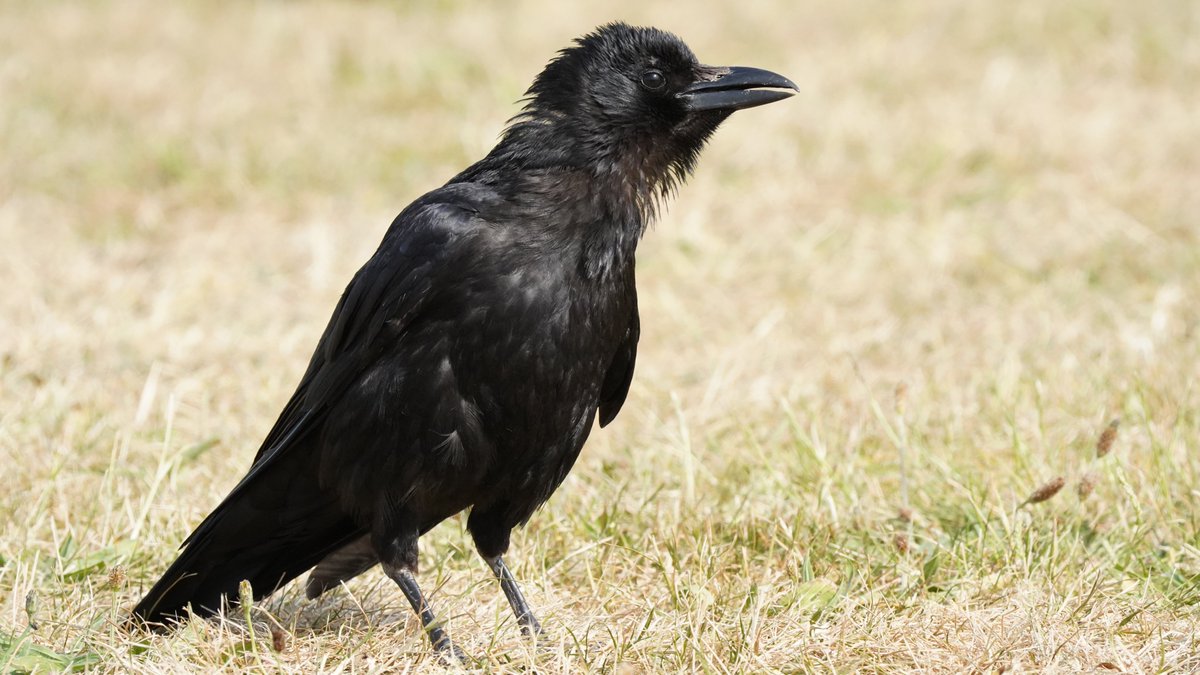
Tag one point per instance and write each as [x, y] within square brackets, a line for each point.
[466, 362]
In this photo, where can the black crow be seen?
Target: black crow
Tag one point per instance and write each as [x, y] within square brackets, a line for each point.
[467, 360]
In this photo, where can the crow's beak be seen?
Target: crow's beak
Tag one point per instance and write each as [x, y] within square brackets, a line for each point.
[736, 88]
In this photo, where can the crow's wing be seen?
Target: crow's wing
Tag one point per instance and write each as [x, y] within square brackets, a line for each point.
[620, 372]
[277, 522]
[390, 289]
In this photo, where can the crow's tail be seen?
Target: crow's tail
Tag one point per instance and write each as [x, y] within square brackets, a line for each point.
[269, 530]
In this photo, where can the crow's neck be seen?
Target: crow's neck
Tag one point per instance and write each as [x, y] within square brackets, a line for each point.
[600, 196]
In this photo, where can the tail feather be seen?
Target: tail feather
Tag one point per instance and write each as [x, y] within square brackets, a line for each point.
[341, 565]
[267, 532]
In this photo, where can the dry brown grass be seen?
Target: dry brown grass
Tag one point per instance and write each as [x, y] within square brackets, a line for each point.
[991, 203]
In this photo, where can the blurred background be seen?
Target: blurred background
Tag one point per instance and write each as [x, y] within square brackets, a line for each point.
[877, 319]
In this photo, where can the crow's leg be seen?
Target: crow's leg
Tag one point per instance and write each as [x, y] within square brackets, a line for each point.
[491, 529]
[508, 584]
[399, 561]
[437, 635]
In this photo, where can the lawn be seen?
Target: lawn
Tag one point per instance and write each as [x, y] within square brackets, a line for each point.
[882, 323]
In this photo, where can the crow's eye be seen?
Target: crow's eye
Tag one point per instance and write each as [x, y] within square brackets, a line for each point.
[653, 80]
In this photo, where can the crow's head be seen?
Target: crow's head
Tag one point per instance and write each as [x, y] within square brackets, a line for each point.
[637, 99]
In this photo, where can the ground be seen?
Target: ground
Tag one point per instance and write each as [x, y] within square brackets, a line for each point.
[880, 316]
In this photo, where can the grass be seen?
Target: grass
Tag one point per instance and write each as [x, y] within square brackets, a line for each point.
[880, 317]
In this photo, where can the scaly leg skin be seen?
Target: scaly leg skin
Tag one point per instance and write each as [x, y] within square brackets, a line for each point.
[437, 636]
[529, 623]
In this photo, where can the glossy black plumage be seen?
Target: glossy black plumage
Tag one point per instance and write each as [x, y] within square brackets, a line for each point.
[468, 359]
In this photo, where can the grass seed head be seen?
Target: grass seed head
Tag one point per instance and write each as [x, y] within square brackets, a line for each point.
[278, 639]
[1087, 484]
[116, 578]
[1046, 491]
[1104, 444]
[31, 608]
[245, 593]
